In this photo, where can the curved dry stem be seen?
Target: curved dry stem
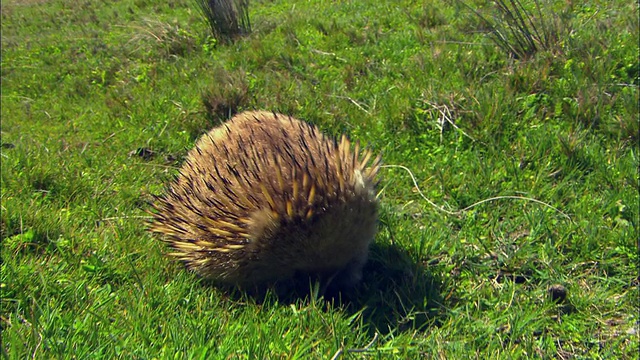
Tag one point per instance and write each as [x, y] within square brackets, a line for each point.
[462, 211]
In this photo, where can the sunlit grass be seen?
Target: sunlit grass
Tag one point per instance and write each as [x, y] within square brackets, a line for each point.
[100, 103]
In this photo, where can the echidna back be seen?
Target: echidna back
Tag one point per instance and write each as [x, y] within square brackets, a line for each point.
[266, 195]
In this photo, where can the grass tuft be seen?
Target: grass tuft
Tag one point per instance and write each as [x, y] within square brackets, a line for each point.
[227, 19]
[170, 39]
[520, 31]
[228, 92]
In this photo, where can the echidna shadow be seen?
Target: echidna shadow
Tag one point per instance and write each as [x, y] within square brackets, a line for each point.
[396, 293]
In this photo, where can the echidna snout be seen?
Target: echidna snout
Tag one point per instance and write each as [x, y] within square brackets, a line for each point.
[265, 196]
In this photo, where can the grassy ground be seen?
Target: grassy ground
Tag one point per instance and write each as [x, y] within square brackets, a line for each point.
[100, 102]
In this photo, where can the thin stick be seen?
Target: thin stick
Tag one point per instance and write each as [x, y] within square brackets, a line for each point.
[353, 102]
[126, 217]
[367, 347]
[446, 115]
[364, 349]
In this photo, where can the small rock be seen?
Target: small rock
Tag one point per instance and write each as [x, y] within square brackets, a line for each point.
[558, 293]
[144, 153]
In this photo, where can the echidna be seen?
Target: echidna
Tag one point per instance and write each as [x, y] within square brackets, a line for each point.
[265, 196]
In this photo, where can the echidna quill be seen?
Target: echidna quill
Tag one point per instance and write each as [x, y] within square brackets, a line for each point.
[266, 196]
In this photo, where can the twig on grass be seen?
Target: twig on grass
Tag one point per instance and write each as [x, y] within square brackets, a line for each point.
[361, 350]
[459, 212]
[160, 165]
[353, 102]
[112, 135]
[125, 217]
[446, 116]
[320, 52]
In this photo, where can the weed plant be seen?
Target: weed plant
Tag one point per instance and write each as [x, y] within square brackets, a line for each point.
[227, 19]
[520, 33]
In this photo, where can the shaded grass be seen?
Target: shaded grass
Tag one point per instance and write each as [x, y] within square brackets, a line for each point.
[80, 276]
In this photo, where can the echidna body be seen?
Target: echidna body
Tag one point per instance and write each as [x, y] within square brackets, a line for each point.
[265, 196]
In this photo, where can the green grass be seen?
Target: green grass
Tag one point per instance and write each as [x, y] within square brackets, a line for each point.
[89, 88]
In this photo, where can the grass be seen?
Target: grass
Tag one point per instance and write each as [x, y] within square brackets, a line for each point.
[101, 102]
